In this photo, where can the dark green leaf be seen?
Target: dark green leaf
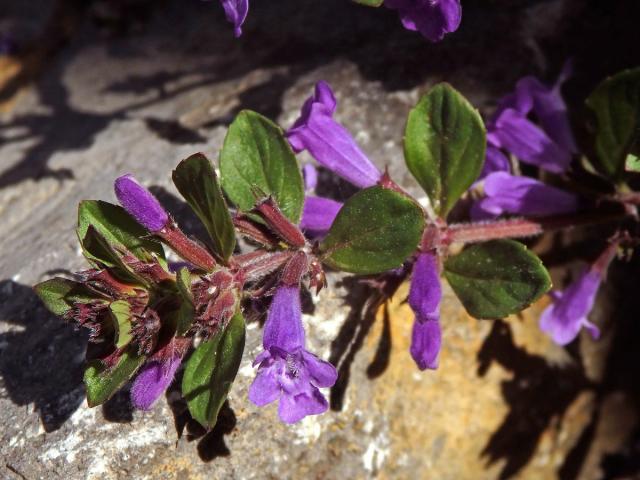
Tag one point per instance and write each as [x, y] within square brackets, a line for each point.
[196, 181]
[497, 278]
[616, 104]
[121, 313]
[210, 372]
[101, 383]
[444, 145]
[257, 158]
[376, 230]
[118, 228]
[59, 294]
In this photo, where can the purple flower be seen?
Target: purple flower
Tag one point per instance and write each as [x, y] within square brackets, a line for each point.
[495, 161]
[505, 193]
[432, 18]
[563, 319]
[140, 203]
[287, 371]
[318, 214]
[548, 145]
[236, 13]
[152, 381]
[329, 142]
[310, 177]
[424, 298]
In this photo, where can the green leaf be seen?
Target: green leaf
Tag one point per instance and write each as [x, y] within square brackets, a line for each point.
[101, 383]
[632, 162]
[497, 278]
[59, 294]
[121, 313]
[210, 372]
[370, 3]
[376, 230]
[444, 146]
[118, 228]
[616, 104]
[256, 157]
[196, 181]
[97, 248]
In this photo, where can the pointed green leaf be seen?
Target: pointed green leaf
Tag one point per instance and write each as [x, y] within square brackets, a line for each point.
[196, 181]
[376, 230]
[118, 228]
[59, 294]
[497, 278]
[210, 372]
[121, 313]
[616, 104]
[255, 158]
[101, 383]
[444, 146]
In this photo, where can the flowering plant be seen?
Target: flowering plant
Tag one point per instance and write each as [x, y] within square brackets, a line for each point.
[147, 316]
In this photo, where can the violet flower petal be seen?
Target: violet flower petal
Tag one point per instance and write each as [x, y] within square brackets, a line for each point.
[283, 328]
[318, 214]
[563, 319]
[495, 161]
[152, 381]
[432, 18]
[549, 107]
[515, 133]
[310, 174]
[140, 203]
[329, 142]
[236, 12]
[265, 387]
[322, 373]
[292, 408]
[505, 193]
[426, 339]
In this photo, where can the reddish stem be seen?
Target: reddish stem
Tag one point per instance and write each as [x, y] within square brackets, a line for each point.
[187, 248]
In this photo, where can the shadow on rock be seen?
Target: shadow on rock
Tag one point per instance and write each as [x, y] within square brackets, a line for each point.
[537, 393]
[210, 443]
[41, 356]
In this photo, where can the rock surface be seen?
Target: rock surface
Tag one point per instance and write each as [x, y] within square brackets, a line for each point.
[136, 86]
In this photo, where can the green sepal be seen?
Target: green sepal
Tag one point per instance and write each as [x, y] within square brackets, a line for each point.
[444, 146]
[211, 370]
[197, 182]
[497, 278]
[256, 160]
[376, 230]
[59, 294]
[616, 104]
[186, 311]
[101, 383]
[121, 314]
[370, 3]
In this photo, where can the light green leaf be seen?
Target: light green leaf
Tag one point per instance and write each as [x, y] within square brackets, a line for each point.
[121, 313]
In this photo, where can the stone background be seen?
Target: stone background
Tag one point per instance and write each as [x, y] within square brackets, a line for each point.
[99, 88]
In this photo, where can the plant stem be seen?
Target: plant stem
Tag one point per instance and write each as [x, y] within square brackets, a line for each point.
[523, 227]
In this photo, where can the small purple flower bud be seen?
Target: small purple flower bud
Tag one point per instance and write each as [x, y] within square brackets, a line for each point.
[236, 12]
[432, 18]
[329, 142]
[140, 203]
[505, 193]
[152, 381]
[495, 161]
[564, 318]
[286, 370]
[424, 298]
[318, 214]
